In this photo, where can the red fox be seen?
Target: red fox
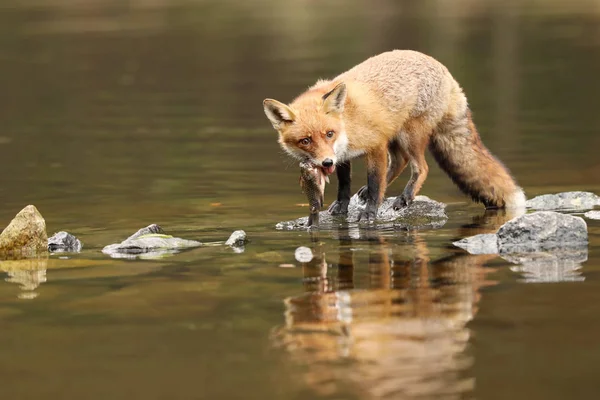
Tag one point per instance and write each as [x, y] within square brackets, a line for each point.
[390, 108]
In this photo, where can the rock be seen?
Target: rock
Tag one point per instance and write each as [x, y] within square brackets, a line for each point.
[237, 239]
[26, 234]
[564, 201]
[422, 213]
[62, 242]
[303, 254]
[592, 214]
[539, 231]
[270, 256]
[486, 243]
[563, 266]
[542, 231]
[548, 246]
[149, 242]
[150, 229]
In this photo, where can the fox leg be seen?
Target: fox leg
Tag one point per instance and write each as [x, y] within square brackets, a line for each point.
[419, 171]
[398, 161]
[377, 161]
[340, 206]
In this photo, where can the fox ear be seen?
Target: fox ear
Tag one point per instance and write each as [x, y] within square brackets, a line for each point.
[334, 100]
[278, 113]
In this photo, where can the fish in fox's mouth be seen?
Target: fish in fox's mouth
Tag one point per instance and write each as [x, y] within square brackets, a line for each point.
[312, 180]
[315, 172]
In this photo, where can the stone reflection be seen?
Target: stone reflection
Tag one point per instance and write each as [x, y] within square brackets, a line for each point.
[382, 321]
[27, 273]
[564, 266]
[534, 267]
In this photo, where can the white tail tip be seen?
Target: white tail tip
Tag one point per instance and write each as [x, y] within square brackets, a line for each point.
[516, 200]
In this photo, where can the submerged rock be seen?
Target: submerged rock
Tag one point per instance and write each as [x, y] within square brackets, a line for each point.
[149, 242]
[62, 242]
[539, 231]
[26, 234]
[564, 201]
[422, 213]
[270, 256]
[592, 214]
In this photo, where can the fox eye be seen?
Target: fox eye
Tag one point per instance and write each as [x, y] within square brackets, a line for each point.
[329, 134]
[305, 141]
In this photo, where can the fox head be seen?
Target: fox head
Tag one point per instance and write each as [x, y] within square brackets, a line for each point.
[312, 127]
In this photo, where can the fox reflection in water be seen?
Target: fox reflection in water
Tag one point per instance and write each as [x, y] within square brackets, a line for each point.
[395, 329]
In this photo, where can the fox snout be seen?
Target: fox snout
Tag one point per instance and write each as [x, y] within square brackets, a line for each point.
[328, 165]
[328, 162]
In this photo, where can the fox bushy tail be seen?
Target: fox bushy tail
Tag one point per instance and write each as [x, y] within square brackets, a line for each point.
[457, 148]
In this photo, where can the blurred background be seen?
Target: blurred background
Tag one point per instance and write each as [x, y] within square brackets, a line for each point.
[117, 114]
[109, 105]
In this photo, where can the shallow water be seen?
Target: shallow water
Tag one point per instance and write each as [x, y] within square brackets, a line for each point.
[116, 115]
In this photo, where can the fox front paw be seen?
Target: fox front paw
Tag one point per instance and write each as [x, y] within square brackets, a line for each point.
[402, 201]
[339, 207]
[368, 214]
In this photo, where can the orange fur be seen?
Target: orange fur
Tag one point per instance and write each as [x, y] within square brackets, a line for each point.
[401, 103]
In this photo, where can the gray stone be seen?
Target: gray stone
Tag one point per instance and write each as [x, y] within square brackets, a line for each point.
[592, 214]
[422, 213]
[539, 231]
[25, 235]
[150, 229]
[62, 242]
[564, 201]
[149, 242]
[237, 239]
[486, 243]
[542, 231]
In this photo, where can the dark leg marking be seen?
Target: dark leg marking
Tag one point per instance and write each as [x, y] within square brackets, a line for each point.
[344, 173]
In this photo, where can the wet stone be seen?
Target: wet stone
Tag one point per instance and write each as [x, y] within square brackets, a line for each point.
[149, 242]
[542, 230]
[62, 242]
[592, 214]
[237, 239]
[539, 231]
[303, 254]
[422, 213]
[25, 235]
[486, 243]
[150, 229]
[564, 201]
